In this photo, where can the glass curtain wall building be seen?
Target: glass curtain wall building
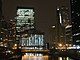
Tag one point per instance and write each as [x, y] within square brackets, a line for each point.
[25, 19]
[24, 22]
[75, 17]
[26, 34]
[34, 41]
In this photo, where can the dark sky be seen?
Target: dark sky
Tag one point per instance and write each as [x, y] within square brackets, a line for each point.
[45, 12]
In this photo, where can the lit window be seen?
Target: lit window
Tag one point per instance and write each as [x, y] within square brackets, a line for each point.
[72, 11]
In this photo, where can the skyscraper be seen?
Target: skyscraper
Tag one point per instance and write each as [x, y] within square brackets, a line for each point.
[75, 17]
[64, 27]
[26, 34]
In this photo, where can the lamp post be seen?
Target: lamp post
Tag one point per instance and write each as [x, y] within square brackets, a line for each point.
[53, 35]
[60, 46]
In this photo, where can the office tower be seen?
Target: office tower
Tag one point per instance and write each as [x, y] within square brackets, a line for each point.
[7, 33]
[64, 27]
[25, 19]
[3, 33]
[26, 34]
[75, 17]
[67, 24]
[24, 22]
[11, 28]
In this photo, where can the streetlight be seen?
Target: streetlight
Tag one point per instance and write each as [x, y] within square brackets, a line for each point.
[60, 45]
[53, 35]
[53, 26]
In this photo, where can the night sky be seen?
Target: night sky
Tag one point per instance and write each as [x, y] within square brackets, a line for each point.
[45, 12]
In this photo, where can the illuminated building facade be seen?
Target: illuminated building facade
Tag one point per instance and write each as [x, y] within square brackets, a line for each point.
[34, 40]
[64, 27]
[75, 17]
[11, 32]
[3, 33]
[7, 33]
[24, 21]
[67, 24]
[26, 34]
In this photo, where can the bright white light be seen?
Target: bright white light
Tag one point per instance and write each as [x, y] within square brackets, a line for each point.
[15, 44]
[60, 18]
[60, 58]
[74, 45]
[76, 34]
[68, 26]
[57, 8]
[53, 26]
[78, 47]
[67, 58]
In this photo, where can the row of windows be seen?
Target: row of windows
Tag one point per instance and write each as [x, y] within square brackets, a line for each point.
[24, 21]
[23, 12]
[33, 40]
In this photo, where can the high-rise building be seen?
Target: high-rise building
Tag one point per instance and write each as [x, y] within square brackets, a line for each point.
[24, 21]
[64, 27]
[66, 22]
[75, 17]
[7, 33]
[26, 34]
[3, 33]
[11, 28]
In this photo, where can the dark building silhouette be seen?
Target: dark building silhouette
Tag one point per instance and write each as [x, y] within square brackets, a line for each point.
[0, 9]
[75, 17]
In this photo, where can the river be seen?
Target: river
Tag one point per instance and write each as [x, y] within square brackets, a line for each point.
[43, 58]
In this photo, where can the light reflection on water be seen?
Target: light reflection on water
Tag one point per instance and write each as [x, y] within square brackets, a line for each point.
[34, 57]
[42, 58]
[63, 58]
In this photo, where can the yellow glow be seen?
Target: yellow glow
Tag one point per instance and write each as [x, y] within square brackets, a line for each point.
[20, 47]
[15, 44]
[60, 58]
[67, 58]
[66, 44]
[35, 50]
[60, 45]
[70, 45]
[34, 57]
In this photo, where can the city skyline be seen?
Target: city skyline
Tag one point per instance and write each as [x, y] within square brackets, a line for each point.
[44, 30]
[45, 13]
